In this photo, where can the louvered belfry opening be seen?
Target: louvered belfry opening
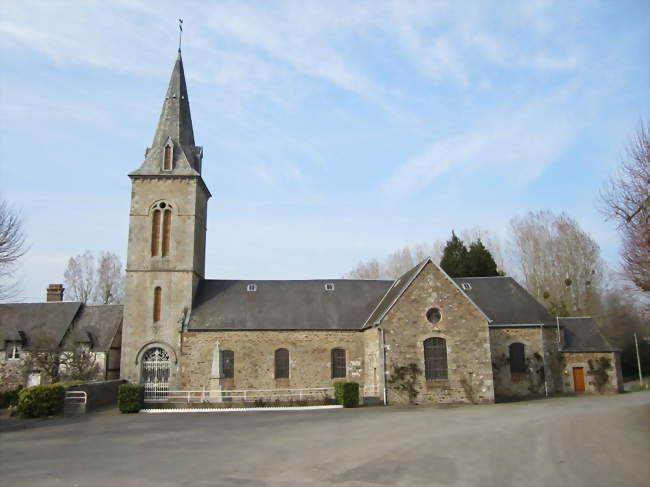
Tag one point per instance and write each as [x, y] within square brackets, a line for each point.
[157, 304]
[167, 232]
[282, 363]
[155, 233]
[338, 363]
[435, 359]
[167, 162]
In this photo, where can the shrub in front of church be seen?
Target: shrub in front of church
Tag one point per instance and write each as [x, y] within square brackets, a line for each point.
[347, 394]
[130, 398]
[40, 401]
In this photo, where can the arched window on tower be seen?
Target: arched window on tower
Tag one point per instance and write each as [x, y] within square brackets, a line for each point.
[155, 233]
[167, 161]
[435, 359]
[167, 232]
[157, 304]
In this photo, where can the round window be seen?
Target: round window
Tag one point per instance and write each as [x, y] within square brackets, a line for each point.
[433, 315]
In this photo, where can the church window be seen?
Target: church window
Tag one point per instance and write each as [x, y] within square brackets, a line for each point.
[338, 363]
[329, 287]
[251, 288]
[282, 363]
[167, 163]
[435, 359]
[167, 232]
[228, 364]
[155, 233]
[517, 353]
[157, 304]
[434, 315]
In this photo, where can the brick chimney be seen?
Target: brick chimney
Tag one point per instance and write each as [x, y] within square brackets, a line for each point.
[55, 292]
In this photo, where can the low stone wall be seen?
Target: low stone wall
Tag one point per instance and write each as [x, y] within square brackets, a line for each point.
[100, 394]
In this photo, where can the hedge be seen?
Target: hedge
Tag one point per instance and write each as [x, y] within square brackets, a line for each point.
[9, 398]
[130, 398]
[347, 394]
[40, 401]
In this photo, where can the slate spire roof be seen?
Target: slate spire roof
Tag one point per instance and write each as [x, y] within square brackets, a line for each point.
[174, 128]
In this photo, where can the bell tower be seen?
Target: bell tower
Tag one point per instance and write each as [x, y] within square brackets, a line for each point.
[166, 248]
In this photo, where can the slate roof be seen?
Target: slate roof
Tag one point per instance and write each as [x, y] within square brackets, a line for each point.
[285, 305]
[504, 301]
[175, 124]
[97, 325]
[583, 335]
[38, 321]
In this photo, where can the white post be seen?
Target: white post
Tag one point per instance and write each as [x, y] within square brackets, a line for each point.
[638, 362]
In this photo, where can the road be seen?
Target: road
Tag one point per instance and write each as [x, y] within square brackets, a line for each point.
[574, 441]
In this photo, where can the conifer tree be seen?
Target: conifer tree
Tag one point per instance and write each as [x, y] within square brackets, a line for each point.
[454, 257]
[479, 262]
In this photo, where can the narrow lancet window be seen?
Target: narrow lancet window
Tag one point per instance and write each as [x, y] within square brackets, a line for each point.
[155, 233]
[167, 232]
[282, 363]
[167, 163]
[157, 304]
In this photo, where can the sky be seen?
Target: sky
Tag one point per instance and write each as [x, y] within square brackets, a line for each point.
[333, 132]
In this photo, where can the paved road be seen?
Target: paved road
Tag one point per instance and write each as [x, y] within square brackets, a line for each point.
[582, 441]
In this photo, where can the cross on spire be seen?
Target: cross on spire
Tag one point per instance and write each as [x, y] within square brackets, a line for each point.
[180, 33]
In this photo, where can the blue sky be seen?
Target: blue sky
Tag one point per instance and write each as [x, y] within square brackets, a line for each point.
[333, 131]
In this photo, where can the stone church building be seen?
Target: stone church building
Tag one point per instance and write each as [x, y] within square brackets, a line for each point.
[471, 338]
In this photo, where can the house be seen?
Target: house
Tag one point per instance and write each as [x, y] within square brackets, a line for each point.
[57, 325]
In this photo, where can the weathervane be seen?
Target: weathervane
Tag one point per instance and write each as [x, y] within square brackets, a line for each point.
[180, 33]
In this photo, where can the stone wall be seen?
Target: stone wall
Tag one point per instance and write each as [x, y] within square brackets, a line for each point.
[12, 373]
[540, 347]
[582, 359]
[462, 325]
[99, 394]
[254, 352]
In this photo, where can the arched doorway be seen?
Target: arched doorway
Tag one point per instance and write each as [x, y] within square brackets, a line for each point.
[155, 373]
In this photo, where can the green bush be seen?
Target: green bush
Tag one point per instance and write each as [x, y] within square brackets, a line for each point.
[130, 398]
[40, 401]
[347, 394]
[9, 398]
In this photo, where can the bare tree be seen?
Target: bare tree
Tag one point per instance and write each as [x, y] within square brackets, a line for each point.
[95, 280]
[45, 356]
[12, 248]
[110, 280]
[559, 262]
[626, 199]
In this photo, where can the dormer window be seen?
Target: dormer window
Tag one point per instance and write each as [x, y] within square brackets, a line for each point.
[13, 350]
[329, 287]
[168, 157]
[466, 286]
[251, 288]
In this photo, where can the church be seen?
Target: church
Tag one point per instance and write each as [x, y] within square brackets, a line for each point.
[467, 339]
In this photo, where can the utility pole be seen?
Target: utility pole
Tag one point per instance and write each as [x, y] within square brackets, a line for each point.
[638, 362]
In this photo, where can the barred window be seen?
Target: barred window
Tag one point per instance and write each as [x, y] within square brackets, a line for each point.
[517, 352]
[228, 364]
[435, 359]
[282, 363]
[338, 363]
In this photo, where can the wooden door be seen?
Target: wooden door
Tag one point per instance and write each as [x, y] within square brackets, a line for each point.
[579, 379]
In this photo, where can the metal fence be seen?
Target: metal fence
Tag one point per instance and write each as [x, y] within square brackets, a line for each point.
[250, 395]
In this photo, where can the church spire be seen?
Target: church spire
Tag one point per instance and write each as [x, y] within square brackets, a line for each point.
[174, 131]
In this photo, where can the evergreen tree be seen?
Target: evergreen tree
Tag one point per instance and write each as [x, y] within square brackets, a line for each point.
[479, 261]
[454, 257]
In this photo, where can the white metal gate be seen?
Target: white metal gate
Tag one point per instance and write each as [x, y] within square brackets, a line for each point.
[155, 373]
